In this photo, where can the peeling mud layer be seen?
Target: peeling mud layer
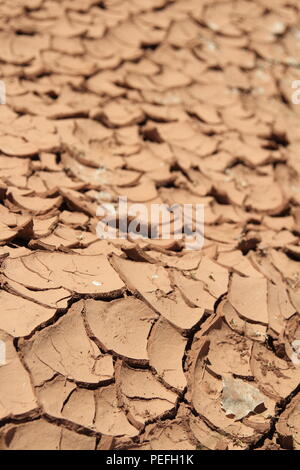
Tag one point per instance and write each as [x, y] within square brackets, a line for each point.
[128, 344]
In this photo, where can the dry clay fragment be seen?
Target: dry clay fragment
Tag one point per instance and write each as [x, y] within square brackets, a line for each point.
[210, 439]
[43, 227]
[288, 426]
[35, 205]
[52, 298]
[194, 292]
[6, 234]
[238, 263]
[16, 395]
[205, 394]
[66, 349]
[168, 435]
[239, 398]
[248, 295]
[42, 435]
[291, 338]
[20, 317]
[74, 272]
[186, 262]
[13, 167]
[253, 331]
[166, 349]
[144, 191]
[121, 326]
[214, 276]
[53, 394]
[152, 283]
[17, 146]
[142, 395]
[76, 219]
[98, 410]
[64, 237]
[229, 352]
[276, 377]
[279, 307]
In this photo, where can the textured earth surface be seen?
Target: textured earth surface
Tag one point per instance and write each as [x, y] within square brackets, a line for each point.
[129, 344]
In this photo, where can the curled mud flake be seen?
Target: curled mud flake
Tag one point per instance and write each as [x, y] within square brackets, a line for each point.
[42, 435]
[288, 426]
[35, 205]
[205, 394]
[293, 250]
[206, 113]
[121, 326]
[209, 439]
[110, 419]
[52, 298]
[6, 234]
[249, 298]
[117, 114]
[73, 441]
[13, 252]
[144, 191]
[78, 202]
[136, 253]
[288, 268]
[253, 331]
[168, 435]
[101, 247]
[158, 293]
[256, 332]
[14, 49]
[187, 262]
[206, 399]
[16, 146]
[240, 398]
[214, 276]
[43, 227]
[20, 317]
[66, 349]
[79, 408]
[63, 238]
[53, 394]
[16, 394]
[142, 395]
[228, 351]
[238, 263]
[76, 219]
[277, 378]
[171, 78]
[59, 180]
[166, 349]
[73, 272]
[233, 320]
[266, 199]
[280, 307]
[103, 83]
[194, 292]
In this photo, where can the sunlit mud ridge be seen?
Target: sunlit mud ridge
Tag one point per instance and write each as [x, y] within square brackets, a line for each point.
[142, 344]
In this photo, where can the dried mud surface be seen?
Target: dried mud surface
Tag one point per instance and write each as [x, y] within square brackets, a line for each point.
[144, 345]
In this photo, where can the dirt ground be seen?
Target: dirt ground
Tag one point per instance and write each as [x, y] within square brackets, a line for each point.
[146, 344]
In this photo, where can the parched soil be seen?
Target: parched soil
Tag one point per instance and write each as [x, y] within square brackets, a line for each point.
[145, 344]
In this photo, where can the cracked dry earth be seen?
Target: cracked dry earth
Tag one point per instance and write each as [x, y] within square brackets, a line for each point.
[144, 345]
